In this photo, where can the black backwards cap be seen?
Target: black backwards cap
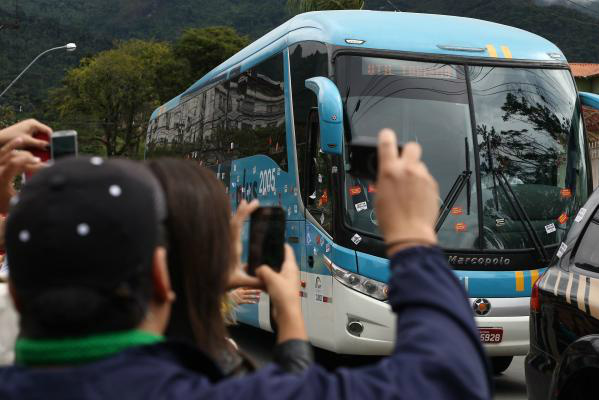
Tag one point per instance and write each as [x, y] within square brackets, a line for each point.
[84, 223]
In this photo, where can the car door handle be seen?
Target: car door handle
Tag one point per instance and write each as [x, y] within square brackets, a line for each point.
[311, 261]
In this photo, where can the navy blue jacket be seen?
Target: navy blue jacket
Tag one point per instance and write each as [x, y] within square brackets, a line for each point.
[437, 355]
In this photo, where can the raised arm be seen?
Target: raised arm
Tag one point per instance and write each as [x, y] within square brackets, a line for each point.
[437, 354]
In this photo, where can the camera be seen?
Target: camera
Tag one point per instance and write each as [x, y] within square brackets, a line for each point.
[63, 144]
[363, 157]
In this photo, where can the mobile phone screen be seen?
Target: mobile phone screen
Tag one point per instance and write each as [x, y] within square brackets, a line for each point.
[64, 146]
[267, 239]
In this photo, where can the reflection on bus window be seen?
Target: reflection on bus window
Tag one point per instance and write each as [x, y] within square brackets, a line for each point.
[422, 102]
[529, 130]
[241, 117]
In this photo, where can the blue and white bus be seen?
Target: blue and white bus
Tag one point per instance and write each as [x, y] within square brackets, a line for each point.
[495, 109]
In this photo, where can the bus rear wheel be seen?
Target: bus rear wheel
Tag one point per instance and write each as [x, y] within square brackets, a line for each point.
[500, 364]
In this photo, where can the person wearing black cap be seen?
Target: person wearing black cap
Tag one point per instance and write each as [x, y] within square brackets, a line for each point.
[84, 236]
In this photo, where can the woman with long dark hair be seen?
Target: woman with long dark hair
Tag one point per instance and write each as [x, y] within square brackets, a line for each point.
[204, 250]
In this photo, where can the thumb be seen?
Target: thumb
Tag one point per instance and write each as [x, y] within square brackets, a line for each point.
[266, 274]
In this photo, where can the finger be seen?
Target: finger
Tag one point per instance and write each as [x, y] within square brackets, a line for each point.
[387, 147]
[17, 165]
[245, 209]
[10, 146]
[241, 279]
[30, 142]
[16, 154]
[266, 274]
[33, 168]
[290, 265]
[34, 126]
[411, 152]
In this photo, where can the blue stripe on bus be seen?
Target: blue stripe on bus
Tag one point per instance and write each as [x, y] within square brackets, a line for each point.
[478, 283]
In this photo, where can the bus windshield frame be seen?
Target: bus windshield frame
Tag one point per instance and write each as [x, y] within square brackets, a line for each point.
[467, 217]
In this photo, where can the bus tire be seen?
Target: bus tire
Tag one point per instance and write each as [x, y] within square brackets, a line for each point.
[500, 364]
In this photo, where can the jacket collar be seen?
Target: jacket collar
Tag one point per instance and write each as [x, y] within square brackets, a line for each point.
[32, 352]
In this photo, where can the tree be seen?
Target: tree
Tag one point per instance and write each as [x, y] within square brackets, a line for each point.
[205, 48]
[300, 6]
[7, 116]
[113, 93]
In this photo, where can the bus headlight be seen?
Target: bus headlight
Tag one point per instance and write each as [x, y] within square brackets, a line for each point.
[369, 287]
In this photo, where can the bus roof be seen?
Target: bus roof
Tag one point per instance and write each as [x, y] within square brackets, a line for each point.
[392, 31]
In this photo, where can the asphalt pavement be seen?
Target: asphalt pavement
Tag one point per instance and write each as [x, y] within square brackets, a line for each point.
[258, 344]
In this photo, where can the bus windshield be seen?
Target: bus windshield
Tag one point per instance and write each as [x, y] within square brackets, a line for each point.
[529, 143]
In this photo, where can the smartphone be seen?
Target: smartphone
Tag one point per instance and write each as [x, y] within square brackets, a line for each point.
[363, 159]
[44, 155]
[267, 239]
[63, 144]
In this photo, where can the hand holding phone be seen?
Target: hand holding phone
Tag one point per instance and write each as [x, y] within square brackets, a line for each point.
[267, 239]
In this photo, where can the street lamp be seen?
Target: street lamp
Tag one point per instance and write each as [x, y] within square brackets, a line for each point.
[68, 47]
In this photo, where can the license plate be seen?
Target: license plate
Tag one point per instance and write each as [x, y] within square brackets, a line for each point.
[491, 335]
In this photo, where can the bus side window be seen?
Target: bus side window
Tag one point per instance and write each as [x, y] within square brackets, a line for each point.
[262, 110]
[319, 196]
[307, 60]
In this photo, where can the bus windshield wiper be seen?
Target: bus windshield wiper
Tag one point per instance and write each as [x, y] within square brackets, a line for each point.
[516, 205]
[455, 191]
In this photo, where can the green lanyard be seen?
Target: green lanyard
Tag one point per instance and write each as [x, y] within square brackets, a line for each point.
[33, 352]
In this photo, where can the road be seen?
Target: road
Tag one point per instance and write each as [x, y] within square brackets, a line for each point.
[258, 344]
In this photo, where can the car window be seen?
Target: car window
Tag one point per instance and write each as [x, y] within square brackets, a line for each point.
[587, 251]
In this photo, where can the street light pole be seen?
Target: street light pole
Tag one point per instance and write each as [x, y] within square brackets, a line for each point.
[68, 47]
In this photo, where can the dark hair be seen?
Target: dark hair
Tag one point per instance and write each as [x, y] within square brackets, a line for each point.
[80, 311]
[199, 251]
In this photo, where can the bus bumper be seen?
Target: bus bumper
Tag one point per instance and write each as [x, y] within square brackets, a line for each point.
[378, 326]
[376, 318]
[515, 335]
[511, 315]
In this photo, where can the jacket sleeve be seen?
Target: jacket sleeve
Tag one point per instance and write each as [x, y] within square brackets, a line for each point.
[437, 353]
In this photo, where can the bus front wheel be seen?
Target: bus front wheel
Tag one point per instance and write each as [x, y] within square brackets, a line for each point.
[500, 364]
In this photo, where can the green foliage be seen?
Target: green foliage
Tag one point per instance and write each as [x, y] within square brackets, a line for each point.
[300, 6]
[96, 25]
[118, 89]
[7, 116]
[206, 48]
[109, 98]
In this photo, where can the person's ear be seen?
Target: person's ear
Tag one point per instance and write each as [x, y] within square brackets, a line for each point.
[163, 291]
[13, 295]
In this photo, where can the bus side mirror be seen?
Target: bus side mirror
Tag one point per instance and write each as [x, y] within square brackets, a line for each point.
[589, 100]
[330, 114]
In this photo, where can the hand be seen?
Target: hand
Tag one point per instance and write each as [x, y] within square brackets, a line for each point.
[283, 289]
[239, 277]
[2, 230]
[245, 296]
[406, 201]
[26, 129]
[12, 163]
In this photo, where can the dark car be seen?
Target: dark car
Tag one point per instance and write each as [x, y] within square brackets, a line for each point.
[563, 361]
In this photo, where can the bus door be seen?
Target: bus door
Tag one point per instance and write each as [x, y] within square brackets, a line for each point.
[317, 297]
[590, 112]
